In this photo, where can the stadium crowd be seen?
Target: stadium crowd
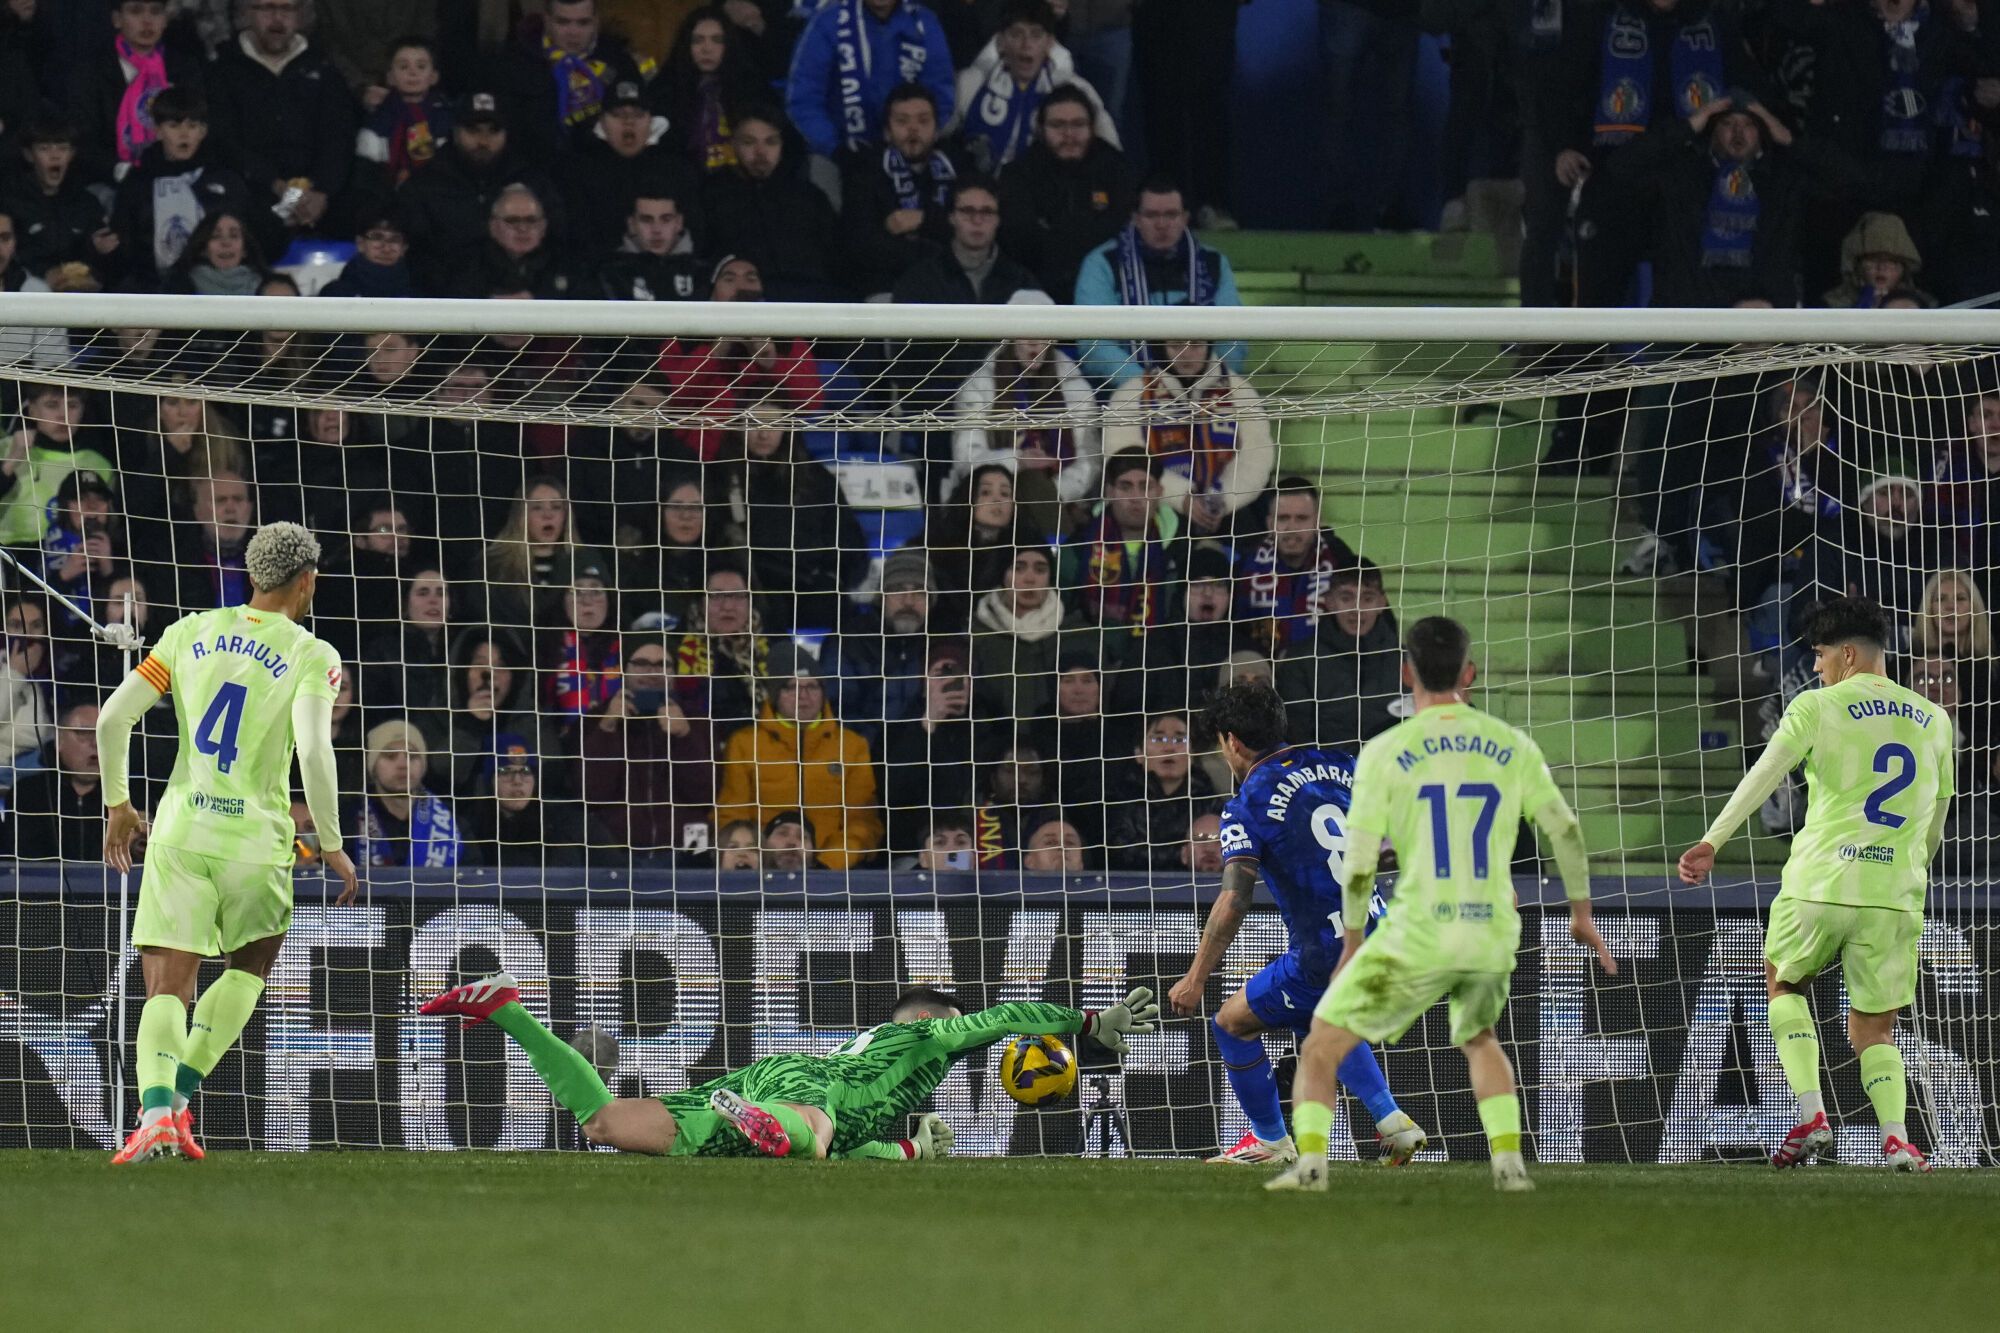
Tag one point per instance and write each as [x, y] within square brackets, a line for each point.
[674, 646]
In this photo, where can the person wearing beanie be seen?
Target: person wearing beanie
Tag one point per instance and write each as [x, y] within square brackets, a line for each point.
[509, 824]
[877, 670]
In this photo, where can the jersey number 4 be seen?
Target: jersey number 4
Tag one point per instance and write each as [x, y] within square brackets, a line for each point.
[216, 735]
[1905, 765]
[1488, 797]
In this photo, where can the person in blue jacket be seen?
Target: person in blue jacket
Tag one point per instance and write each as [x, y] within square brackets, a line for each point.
[1156, 260]
[852, 54]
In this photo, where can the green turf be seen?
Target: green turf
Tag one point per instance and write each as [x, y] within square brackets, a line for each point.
[576, 1242]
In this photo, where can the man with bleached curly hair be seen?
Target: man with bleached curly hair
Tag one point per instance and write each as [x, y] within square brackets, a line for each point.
[250, 683]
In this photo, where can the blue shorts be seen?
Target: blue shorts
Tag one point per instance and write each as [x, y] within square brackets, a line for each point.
[1286, 992]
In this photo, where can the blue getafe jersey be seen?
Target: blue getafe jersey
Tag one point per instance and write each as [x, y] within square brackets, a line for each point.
[1290, 816]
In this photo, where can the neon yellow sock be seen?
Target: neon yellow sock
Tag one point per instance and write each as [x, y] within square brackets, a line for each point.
[1501, 1117]
[1798, 1049]
[1887, 1086]
[220, 1016]
[1312, 1122]
[162, 1038]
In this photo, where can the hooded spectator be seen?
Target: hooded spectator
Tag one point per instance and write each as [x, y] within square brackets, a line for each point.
[927, 746]
[648, 767]
[624, 153]
[1877, 258]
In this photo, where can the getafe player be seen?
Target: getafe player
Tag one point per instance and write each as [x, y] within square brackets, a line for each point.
[248, 681]
[854, 1102]
[1286, 823]
[1448, 788]
[1878, 785]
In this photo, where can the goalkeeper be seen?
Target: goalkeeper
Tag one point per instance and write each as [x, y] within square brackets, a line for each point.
[854, 1102]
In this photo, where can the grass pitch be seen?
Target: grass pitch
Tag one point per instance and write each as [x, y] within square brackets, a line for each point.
[579, 1242]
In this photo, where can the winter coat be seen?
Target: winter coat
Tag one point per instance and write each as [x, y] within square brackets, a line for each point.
[445, 208]
[973, 446]
[298, 122]
[822, 770]
[909, 46]
[214, 187]
[644, 787]
[1053, 212]
[1228, 399]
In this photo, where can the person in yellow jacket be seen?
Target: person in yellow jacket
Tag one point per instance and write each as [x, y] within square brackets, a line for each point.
[797, 756]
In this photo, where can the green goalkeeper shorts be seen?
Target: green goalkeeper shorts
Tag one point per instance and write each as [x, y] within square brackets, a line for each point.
[206, 905]
[1877, 948]
[1379, 996]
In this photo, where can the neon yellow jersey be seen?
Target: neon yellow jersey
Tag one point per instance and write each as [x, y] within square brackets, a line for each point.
[1448, 788]
[233, 674]
[1878, 760]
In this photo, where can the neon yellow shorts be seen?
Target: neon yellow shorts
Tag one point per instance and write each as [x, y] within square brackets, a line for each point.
[1877, 948]
[1379, 997]
[206, 905]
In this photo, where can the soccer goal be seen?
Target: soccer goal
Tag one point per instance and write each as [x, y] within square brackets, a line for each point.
[722, 669]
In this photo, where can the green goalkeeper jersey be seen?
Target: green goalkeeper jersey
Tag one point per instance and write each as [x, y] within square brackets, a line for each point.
[233, 674]
[1449, 788]
[1878, 760]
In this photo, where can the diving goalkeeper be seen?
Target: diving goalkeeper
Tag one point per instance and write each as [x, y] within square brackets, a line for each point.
[854, 1102]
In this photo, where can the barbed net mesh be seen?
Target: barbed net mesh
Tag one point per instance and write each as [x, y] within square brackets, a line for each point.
[721, 688]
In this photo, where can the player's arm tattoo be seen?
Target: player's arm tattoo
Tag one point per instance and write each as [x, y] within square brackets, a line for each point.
[1239, 879]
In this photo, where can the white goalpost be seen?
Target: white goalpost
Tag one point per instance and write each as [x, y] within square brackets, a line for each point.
[582, 558]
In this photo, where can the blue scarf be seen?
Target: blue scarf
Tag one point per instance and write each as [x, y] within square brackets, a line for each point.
[903, 180]
[579, 82]
[1964, 135]
[1729, 227]
[433, 834]
[1133, 289]
[1905, 127]
[855, 66]
[999, 121]
[1625, 77]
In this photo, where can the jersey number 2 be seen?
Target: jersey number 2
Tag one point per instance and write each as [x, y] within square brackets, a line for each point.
[1488, 797]
[1906, 773]
[217, 733]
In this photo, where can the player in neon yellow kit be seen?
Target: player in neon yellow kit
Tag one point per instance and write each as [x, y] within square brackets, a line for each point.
[1448, 788]
[1878, 763]
[246, 681]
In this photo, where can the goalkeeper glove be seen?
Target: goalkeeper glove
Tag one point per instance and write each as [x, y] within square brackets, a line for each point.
[1135, 1013]
[933, 1138]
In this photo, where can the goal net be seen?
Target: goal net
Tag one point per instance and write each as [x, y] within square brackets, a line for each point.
[721, 670]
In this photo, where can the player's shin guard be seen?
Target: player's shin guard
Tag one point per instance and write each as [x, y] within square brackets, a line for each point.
[570, 1077]
[1248, 1065]
[161, 1043]
[220, 1016]
[1798, 1050]
[1888, 1088]
[1361, 1074]
[1312, 1122]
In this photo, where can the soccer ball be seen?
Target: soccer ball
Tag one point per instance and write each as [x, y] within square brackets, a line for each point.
[1037, 1070]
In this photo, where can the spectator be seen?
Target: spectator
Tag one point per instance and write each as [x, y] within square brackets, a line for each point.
[26, 687]
[221, 258]
[58, 812]
[1185, 59]
[1032, 380]
[760, 209]
[1155, 260]
[1728, 198]
[172, 440]
[58, 211]
[576, 658]
[50, 441]
[648, 767]
[535, 551]
[1154, 803]
[518, 255]
[381, 263]
[408, 121]
[43, 347]
[1126, 566]
[1967, 476]
[970, 271]
[1952, 621]
[173, 187]
[1001, 93]
[948, 847]
[1883, 555]
[927, 747]
[784, 511]
[208, 552]
[1202, 852]
[624, 153]
[973, 533]
[1016, 641]
[113, 93]
[1877, 259]
[1937, 679]
[448, 206]
[677, 566]
[1343, 682]
[655, 261]
[1067, 194]
[560, 70]
[510, 823]
[283, 114]
[710, 73]
[399, 822]
[788, 844]
[493, 695]
[730, 375]
[879, 672]
[736, 847]
[1079, 747]
[80, 549]
[1014, 797]
[1207, 427]
[1054, 848]
[1181, 659]
[887, 42]
[896, 208]
[796, 756]
[407, 661]
[718, 661]
[1284, 582]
